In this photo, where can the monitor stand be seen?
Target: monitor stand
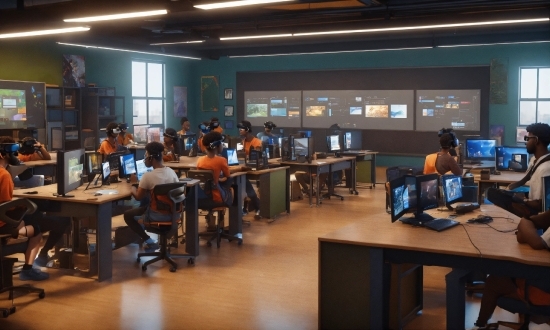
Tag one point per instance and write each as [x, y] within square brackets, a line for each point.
[418, 220]
[337, 155]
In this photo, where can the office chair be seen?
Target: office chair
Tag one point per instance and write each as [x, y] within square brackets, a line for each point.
[175, 193]
[34, 181]
[10, 246]
[336, 180]
[207, 184]
[528, 312]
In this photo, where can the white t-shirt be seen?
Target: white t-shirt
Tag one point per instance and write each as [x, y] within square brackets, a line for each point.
[158, 176]
[535, 183]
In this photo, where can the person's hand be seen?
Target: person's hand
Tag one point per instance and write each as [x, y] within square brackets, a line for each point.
[38, 144]
[535, 204]
[222, 179]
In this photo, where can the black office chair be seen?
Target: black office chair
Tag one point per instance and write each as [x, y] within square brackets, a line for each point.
[207, 184]
[336, 180]
[9, 246]
[175, 192]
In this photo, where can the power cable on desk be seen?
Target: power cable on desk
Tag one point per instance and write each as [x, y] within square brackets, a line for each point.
[467, 234]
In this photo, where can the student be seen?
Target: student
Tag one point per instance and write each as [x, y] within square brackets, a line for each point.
[498, 286]
[268, 132]
[250, 141]
[215, 125]
[185, 126]
[204, 128]
[442, 162]
[160, 174]
[537, 141]
[32, 150]
[124, 138]
[30, 229]
[110, 144]
[170, 139]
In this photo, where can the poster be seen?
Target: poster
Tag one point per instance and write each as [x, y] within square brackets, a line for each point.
[210, 91]
[180, 101]
[74, 71]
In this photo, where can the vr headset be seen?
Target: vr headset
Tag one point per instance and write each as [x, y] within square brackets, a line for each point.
[204, 128]
[173, 137]
[27, 147]
[442, 131]
[215, 144]
[122, 126]
[243, 126]
[269, 124]
[9, 151]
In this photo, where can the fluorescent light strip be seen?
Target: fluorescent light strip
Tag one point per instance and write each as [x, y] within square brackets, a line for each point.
[127, 50]
[236, 4]
[497, 43]
[258, 37]
[43, 32]
[334, 52]
[116, 16]
[177, 43]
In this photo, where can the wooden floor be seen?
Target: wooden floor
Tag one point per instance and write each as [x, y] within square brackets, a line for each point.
[270, 282]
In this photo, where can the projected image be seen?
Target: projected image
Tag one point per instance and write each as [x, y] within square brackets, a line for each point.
[256, 110]
[75, 170]
[315, 111]
[428, 112]
[338, 112]
[278, 112]
[376, 111]
[294, 113]
[398, 111]
[13, 107]
[278, 108]
[355, 110]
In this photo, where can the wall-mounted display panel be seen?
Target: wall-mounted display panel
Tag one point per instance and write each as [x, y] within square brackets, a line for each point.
[456, 109]
[284, 108]
[21, 104]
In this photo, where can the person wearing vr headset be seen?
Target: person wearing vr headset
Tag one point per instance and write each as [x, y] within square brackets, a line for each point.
[215, 125]
[110, 144]
[32, 150]
[442, 162]
[33, 225]
[170, 139]
[204, 128]
[160, 175]
[185, 126]
[250, 141]
[124, 138]
[268, 131]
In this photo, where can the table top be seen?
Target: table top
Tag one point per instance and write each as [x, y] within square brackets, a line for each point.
[379, 231]
[35, 163]
[504, 177]
[318, 162]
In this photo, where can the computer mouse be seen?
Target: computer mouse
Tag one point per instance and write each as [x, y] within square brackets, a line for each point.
[496, 173]
[483, 219]
[98, 194]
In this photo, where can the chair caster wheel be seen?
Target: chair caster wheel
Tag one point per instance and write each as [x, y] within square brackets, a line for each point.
[173, 269]
[41, 295]
[6, 313]
[138, 259]
[191, 261]
[341, 198]
[208, 244]
[144, 268]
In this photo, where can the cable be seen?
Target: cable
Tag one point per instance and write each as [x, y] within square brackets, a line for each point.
[480, 254]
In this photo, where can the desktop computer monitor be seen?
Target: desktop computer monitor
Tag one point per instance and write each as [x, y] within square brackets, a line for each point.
[68, 171]
[93, 162]
[188, 143]
[353, 140]
[231, 156]
[304, 134]
[334, 145]
[452, 188]
[127, 165]
[287, 149]
[114, 159]
[414, 194]
[480, 150]
[402, 196]
[511, 159]
[301, 147]
[141, 168]
[105, 173]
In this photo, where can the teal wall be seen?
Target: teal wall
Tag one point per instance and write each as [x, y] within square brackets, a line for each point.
[40, 60]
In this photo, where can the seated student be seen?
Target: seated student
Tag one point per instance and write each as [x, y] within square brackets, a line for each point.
[185, 126]
[215, 125]
[204, 128]
[32, 150]
[499, 286]
[442, 162]
[537, 141]
[250, 141]
[268, 132]
[124, 138]
[32, 226]
[170, 139]
[160, 174]
[110, 144]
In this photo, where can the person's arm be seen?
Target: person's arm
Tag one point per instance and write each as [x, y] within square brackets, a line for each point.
[43, 152]
[138, 193]
[527, 234]
[541, 220]
[224, 169]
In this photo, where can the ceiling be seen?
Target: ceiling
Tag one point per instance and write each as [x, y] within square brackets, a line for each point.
[186, 23]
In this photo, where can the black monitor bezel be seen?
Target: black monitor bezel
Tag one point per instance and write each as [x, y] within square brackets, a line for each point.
[467, 155]
[62, 173]
[444, 179]
[122, 167]
[503, 168]
[420, 208]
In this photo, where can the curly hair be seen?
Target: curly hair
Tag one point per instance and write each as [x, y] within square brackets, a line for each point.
[183, 120]
[446, 140]
[211, 137]
[155, 149]
[541, 131]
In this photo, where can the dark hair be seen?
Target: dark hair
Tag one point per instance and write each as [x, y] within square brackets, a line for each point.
[183, 120]
[245, 124]
[214, 119]
[111, 126]
[211, 137]
[6, 139]
[155, 149]
[541, 131]
[27, 138]
[123, 126]
[446, 140]
[171, 133]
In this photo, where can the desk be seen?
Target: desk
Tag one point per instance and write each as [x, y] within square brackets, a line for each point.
[43, 167]
[99, 209]
[366, 166]
[273, 181]
[504, 179]
[353, 264]
[327, 165]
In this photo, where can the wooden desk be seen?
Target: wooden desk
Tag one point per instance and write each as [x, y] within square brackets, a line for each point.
[99, 210]
[327, 165]
[504, 179]
[43, 167]
[366, 166]
[354, 273]
[274, 190]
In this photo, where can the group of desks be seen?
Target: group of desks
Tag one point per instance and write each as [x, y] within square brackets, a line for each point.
[355, 265]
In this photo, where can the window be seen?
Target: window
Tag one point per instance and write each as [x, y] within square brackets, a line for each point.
[534, 96]
[148, 93]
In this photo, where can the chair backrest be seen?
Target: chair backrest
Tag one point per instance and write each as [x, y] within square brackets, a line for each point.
[34, 181]
[206, 177]
[167, 198]
[12, 212]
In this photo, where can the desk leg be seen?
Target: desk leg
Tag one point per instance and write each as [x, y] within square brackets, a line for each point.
[235, 211]
[456, 301]
[378, 292]
[373, 170]
[104, 248]
[353, 189]
[192, 221]
[318, 198]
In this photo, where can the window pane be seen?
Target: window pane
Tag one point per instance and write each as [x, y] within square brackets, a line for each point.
[138, 79]
[528, 83]
[544, 83]
[140, 112]
[155, 112]
[154, 80]
[544, 112]
[527, 111]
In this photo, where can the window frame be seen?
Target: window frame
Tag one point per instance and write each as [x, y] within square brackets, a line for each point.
[535, 100]
[148, 98]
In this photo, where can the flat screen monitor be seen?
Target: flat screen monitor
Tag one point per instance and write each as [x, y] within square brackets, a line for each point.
[304, 134]
[141, 169]
[68, 171]
[428, 187]
[511, 158]
[478, 150]
[333, 143]
[13, 109]
[301, 147]
[402, 196]
[127, 165]
[105, 173]
[188, 142]
[353, 140]
[231, 156]
[452, 188]
[93, 161]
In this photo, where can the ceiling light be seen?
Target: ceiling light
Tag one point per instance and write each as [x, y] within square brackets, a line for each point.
[127, 50]
[258, 37]
[43, 32]
[236, 4]
[177, 43]
[117, 16]
[332, 52]
[496, 43]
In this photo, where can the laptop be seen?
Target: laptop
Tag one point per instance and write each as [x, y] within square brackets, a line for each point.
[231, 156]
[141, 169]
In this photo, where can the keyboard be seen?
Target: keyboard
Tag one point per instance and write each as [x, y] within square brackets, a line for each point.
[440, 224]
[353, 152]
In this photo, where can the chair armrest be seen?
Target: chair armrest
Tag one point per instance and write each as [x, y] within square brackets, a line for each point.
[5, 207]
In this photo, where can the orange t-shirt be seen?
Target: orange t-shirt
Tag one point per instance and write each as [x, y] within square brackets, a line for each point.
[28, 158]
[202, 147]
[124, 140]
[218, 129]
[255, 142]
[168, 154]
[6, 192]
[106, 148]
[217, 164]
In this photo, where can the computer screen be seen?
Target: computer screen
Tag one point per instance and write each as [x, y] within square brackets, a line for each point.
[114, 159]
[333, 143]
[452, 188]
[69, 170]
[402, 196]
[231, 156]
[304, 134]
[546, 193]
[141, 168]
[93, 161]
[301, 147]
[428, 192]
[510, 158]
[105, 173]
[353, 140]
[127, 165]
[480, 149]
